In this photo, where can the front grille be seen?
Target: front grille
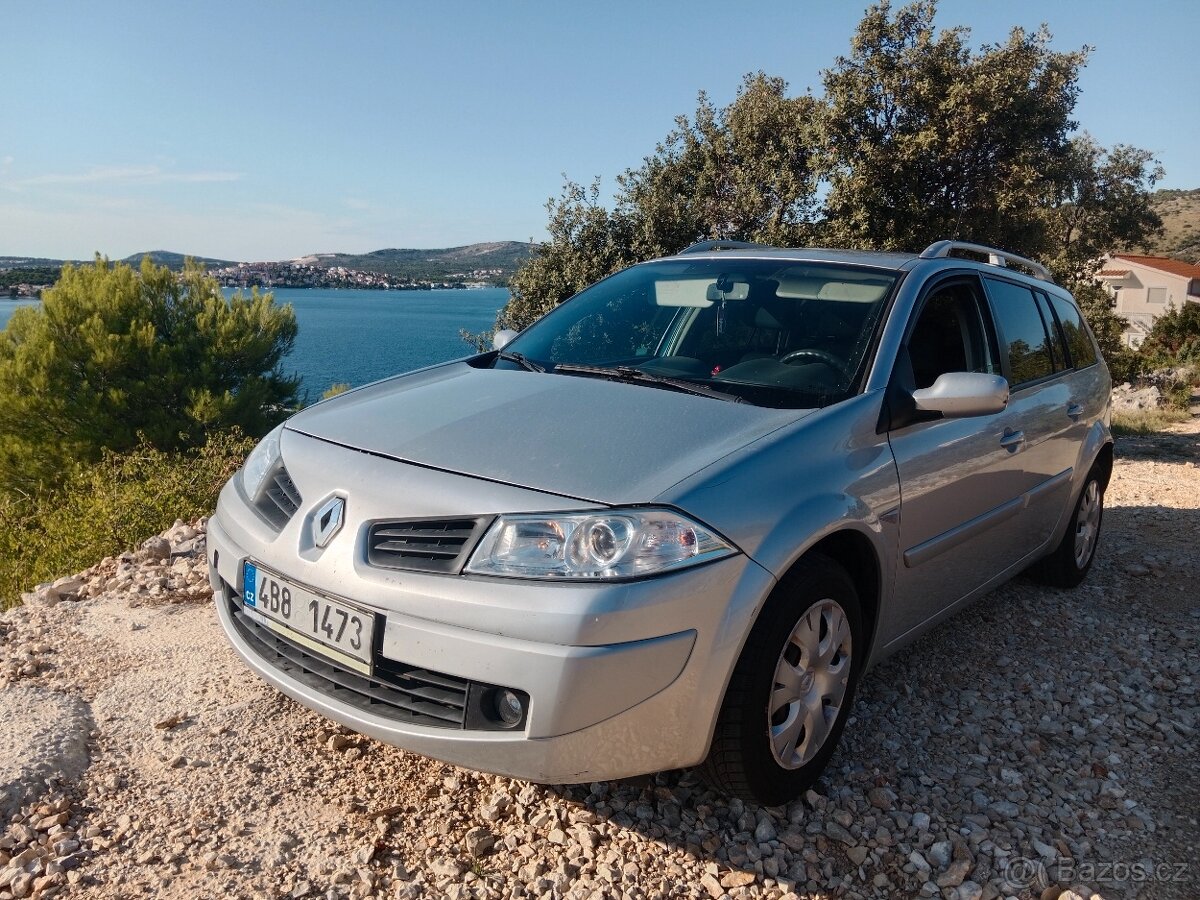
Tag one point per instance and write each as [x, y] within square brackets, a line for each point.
[426, 545]
[396, 691]
[279, 499]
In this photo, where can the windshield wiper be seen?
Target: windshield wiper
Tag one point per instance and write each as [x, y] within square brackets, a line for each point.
[628, 373]
[521, 360]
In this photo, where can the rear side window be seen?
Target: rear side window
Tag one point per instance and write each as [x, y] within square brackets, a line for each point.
[1079, 342]
[1057, 350]
[1024, 339]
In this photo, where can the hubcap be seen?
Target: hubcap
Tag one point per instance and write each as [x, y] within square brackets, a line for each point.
[810, 684]
[1087, 524]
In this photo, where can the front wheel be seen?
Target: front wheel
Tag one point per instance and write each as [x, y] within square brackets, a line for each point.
[1068, 565]
[792, 688]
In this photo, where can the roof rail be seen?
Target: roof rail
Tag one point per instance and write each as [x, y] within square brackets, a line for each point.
[711, 246]
[942, 249]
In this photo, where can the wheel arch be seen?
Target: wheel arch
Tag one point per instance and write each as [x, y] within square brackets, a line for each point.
[1104, 463]
[855, 553]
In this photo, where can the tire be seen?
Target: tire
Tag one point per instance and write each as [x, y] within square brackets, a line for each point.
[1068, 565]
[762, 748]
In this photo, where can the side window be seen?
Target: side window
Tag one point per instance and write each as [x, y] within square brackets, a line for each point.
[1057, 352]
[1023, 338]
[950, 335]
[1079, 342]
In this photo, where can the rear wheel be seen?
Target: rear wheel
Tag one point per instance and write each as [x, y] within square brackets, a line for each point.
[1068, 565]
[791, 690]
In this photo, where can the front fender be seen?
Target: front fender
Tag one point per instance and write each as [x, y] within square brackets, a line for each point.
[806, 524]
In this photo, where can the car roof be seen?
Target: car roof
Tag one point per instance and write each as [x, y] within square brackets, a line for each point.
[871, 258]
[885, 260]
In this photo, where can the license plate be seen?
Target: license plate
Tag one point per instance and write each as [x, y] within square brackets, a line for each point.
[334, 628]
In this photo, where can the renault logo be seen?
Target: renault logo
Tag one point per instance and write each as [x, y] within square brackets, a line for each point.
[328, 521]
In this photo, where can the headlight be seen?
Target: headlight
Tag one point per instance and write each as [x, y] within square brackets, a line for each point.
[594, 545]
[260, 462]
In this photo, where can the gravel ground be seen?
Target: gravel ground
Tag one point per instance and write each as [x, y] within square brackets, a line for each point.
[1040, 743]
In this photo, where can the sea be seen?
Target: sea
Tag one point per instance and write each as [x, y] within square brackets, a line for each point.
[356, 337]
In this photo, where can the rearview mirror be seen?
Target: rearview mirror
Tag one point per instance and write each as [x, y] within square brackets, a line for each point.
[501, 338]
[718, 292]
[960, 394]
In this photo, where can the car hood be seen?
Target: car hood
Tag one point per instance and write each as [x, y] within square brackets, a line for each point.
[580, 437]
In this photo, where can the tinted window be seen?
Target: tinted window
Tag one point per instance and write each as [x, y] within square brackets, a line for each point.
[1079, 342]
[1022, 332]
[774, 332]
[1056, 341]
[949, 336]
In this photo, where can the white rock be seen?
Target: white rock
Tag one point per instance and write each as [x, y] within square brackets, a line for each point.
[939, 854]
[157, 548]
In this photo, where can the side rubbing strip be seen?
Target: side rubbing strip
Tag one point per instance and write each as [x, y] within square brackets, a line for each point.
[947, 540]
[1048, 487]
[935, 546]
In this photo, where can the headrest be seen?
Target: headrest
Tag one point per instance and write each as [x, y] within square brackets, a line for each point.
[763, 319]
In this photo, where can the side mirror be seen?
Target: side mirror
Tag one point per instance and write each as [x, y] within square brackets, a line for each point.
[501, 338]
[958, 395]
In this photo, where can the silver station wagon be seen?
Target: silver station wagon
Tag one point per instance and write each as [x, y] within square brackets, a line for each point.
[675, 520]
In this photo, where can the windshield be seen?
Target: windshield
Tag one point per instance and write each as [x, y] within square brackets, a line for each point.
[770, 332]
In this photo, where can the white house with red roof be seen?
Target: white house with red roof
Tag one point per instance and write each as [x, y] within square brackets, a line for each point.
[1145, 287]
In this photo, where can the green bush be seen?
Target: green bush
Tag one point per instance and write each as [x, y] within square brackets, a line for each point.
[107, 507]
[113, 356]
[1174, 338]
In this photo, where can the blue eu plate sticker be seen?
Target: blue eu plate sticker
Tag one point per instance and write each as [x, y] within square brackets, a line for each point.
[249, 585]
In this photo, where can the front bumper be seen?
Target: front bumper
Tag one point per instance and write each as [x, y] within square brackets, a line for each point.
[622, 679]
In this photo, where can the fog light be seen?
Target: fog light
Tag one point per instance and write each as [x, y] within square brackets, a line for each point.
[509, 707]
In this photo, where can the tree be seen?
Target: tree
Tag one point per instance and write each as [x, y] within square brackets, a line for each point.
[113, 355]
[587, 242]
[1103, 202]
[926, 139]
[743, 172]
[917, 138]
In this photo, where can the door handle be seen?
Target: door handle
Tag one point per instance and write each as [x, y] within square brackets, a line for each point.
[1012, 440]
[1074, 411]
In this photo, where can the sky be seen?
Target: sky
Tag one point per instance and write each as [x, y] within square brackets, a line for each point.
[271, 130]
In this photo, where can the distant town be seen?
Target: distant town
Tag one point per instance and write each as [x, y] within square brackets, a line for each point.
[454, 268]
[20, 282]
[308, 275]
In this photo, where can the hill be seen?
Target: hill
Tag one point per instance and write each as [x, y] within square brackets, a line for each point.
[502, 258]
[30, 262]
[168, 258]
[1180, 212]
[172, 260]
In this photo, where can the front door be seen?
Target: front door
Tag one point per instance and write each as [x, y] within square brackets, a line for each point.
[962, 481]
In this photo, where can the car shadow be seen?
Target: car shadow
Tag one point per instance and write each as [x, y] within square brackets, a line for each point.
[990, 708]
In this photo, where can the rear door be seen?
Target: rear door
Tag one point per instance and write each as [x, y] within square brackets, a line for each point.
[1042, 407]
[1087, 380]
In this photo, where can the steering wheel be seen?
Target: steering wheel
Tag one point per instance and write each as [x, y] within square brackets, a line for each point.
[819, 355]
